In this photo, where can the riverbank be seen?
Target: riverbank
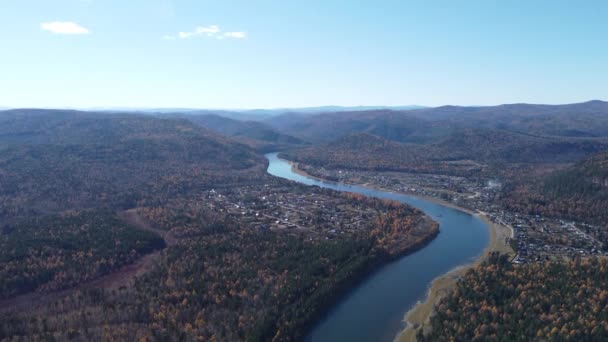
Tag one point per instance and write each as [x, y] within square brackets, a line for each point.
[420, 314]
[371, 265]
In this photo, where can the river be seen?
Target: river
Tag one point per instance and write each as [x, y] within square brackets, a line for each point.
[374, 310]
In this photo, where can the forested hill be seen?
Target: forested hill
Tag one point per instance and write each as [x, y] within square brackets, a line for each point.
[44, 126]
[585, 179]
[465, 151]
[64, 175]
[578, 192]
[258, 135]
[364, 151]
[551, 301]
[491, 145]
[579, 120]
[586, 119]
[57, 160]
[392, 125]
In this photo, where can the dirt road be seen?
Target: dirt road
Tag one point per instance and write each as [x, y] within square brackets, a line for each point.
[124, 276]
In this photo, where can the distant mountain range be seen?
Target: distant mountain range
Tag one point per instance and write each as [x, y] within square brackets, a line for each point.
[453, 154]
[326, 109]
[320, 109]
[258, 135]
[588, 119]
[241, 113]
[406, 124]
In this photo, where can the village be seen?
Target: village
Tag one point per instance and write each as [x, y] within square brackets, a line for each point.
[534, 238]
[319, 214]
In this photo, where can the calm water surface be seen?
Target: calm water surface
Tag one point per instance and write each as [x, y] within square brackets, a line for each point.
[374, 310]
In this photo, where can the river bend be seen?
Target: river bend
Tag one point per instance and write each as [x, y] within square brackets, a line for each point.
[374, 310]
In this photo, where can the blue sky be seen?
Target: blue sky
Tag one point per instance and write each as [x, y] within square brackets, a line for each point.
[268, 54]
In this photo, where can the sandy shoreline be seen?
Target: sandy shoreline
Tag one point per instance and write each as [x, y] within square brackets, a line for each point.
[420, 314]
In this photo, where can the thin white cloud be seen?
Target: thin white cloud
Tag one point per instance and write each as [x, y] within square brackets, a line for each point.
[209, 30]
[184, 35]
[64, 27]
[212, 31]
[237, 34]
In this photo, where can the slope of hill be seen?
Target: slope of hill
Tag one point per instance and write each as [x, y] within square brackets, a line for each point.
[255, 134]
[43, 126]
[503, 146]
[65, 174]
[589, 119]
[550, 301]
[59, 251]
[392, 125]
[79, 160]
[464, 152]
[588, 178]
[364, 151]
[578, 192]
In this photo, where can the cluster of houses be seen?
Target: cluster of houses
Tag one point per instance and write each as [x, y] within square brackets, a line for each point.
[318, 214]
[534, 238]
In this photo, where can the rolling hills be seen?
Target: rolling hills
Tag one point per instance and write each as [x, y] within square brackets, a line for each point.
[86, 200]
[392, 125]
[255, 134]
[427, 125]
[587, 119]
[52, 161]
[465, 151]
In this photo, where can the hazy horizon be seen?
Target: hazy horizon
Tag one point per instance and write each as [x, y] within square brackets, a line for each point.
[362, 107]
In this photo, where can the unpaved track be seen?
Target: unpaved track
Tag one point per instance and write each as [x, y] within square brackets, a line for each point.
[124, 276]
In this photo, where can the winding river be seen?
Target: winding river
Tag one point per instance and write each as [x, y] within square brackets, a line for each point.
[374, 310]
